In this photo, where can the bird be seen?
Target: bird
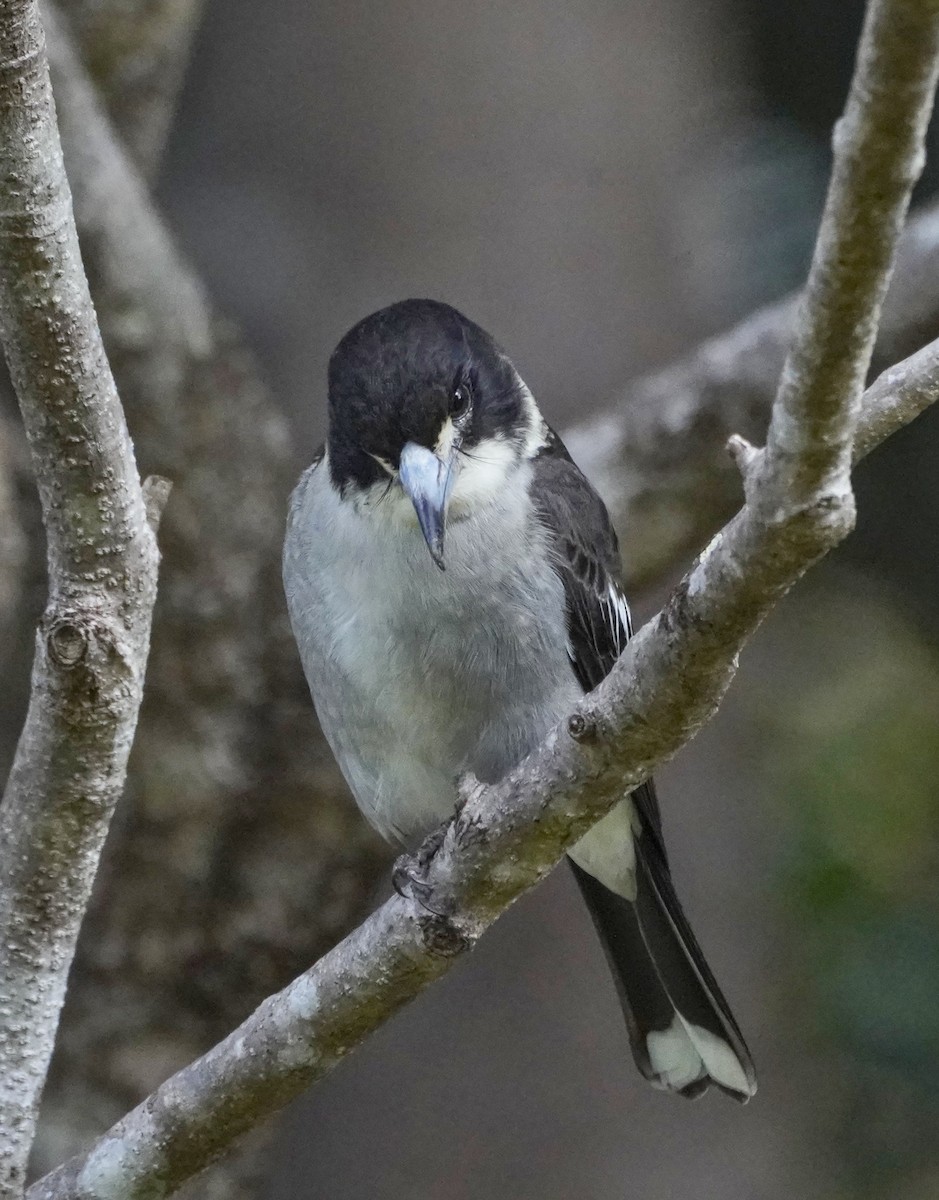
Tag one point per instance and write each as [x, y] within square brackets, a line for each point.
[453, 585]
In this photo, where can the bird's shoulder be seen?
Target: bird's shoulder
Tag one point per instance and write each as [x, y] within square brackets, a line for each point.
[585, 553]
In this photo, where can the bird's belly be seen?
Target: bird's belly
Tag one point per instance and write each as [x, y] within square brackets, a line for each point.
[419, 675]
[442, 697]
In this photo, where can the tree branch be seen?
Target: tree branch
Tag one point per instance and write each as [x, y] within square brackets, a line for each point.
[658, 455]
[297, 1036]
[878, 156]
[92, 644]
[192, 398]
[667, 683]
[896, 397]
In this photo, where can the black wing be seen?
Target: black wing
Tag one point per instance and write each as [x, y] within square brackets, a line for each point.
[586, 557]
[656, 960]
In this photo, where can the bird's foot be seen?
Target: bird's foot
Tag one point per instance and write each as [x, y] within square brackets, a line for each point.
[409, 873]
[441, 933]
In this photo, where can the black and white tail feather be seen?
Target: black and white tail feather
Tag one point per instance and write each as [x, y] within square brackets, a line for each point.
[683, 1035]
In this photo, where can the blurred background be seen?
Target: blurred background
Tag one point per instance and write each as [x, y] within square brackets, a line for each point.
[602, 185]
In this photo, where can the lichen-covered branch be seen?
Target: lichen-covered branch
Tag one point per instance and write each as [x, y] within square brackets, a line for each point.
[297, 1036]
[668, 682]
[91, 647]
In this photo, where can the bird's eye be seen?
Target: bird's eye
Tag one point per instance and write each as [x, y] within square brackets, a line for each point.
[460, 400]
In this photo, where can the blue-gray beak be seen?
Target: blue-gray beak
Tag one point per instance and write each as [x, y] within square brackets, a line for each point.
[427, 480]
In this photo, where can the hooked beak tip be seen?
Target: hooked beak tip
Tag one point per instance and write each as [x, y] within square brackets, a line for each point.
[427, 481]
[435, 545]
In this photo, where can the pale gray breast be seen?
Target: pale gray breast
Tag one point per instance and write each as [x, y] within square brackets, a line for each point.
[419, 675]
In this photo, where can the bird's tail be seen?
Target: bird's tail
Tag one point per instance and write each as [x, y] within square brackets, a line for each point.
[682, 1032]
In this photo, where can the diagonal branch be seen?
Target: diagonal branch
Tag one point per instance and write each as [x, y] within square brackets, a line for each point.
[141, 284]
[668, 682]
[91, 648]
[296, 1037]
[896, 397]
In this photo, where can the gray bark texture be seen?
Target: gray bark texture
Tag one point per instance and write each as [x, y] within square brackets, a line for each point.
[669, 681]
[505, 840]
[237, 858]
[256, 897]
[92, 643]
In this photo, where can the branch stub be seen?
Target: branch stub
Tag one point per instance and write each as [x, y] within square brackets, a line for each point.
[581, 728]
[67, 644]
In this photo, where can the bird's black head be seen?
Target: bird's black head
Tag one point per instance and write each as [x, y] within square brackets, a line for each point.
[423, 401]
[402, 374]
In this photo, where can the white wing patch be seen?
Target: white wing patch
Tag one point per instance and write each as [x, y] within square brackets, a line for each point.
[616, 610]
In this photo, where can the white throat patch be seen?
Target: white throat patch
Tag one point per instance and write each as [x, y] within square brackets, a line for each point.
[483, 474]
[485, 468]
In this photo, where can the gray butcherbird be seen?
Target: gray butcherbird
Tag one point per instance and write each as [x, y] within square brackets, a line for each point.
[424, 667]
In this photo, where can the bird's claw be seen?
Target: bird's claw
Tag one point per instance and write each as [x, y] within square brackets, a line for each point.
[406, 877]
[409, 873]
[409, 879]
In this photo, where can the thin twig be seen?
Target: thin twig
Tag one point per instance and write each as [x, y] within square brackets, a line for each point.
[91, 647]
[161, 338]
[901, 393]
[668, 682]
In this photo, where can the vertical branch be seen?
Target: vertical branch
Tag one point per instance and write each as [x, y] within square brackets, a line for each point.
[91, 647]
[657, 452]
[878, 157]
[505, 838]
[229, 814]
